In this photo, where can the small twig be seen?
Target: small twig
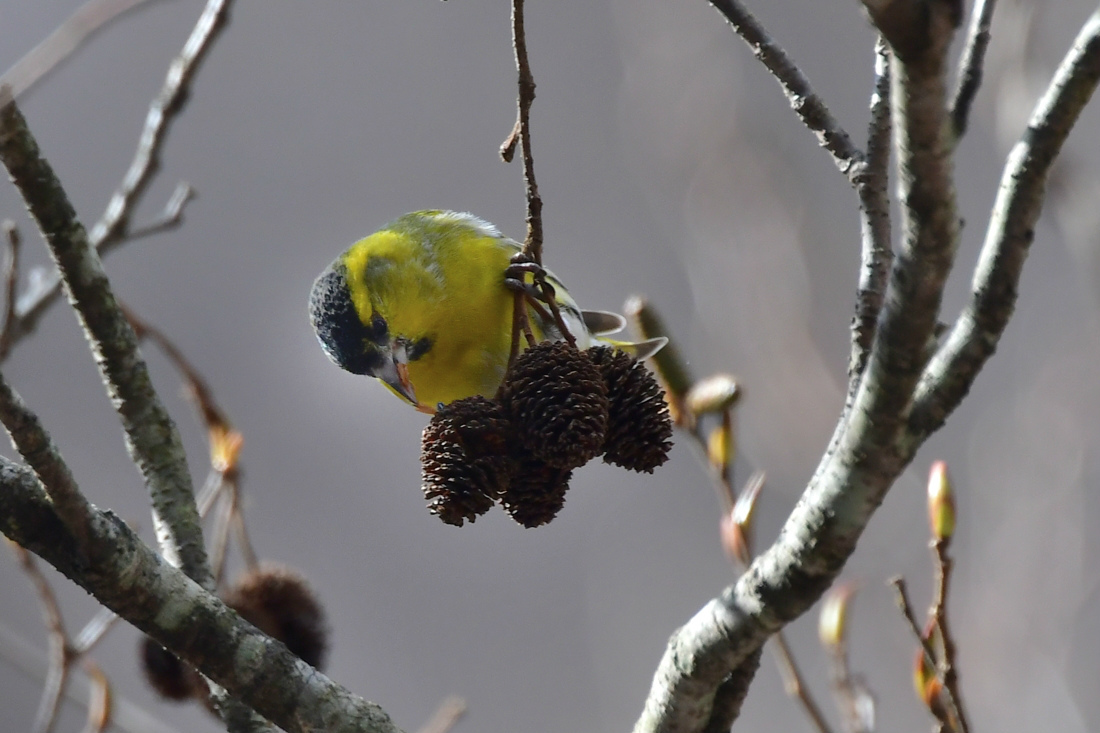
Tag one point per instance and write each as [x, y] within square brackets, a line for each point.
[100, 699]
[219, 543]
[103, 621]
[212, 415]
[727, 494]
[901, 597]
[11, 283]
[64, 653]
[874, 214]
[172, 215]
[970, 64]
[449, 712]
[853, 698]
[805, 102]
[550, 298]
[948, 669]
[27, 660]
[952, 712]
[77, 30]
[163, 112]
[240, 531]
[113, 226]
[532, 246]
[61, 653]
[794, 683]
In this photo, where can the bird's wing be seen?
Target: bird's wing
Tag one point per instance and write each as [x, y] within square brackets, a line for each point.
[603, 323]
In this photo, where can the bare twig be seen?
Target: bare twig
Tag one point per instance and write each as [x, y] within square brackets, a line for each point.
[27, 660]
[978, 329]
[113, 227]
[969, 77]
[172, 215]
[947, 667]
[94, 630]
[854, 699]
[449, 712]
[100, 699]
[64, 654]
[168, 104]
[240, 531]
[77, 30]
[805, 102]
[532, 246]
[952, 713]
[901, 597]
[794, 683]
[61, 653]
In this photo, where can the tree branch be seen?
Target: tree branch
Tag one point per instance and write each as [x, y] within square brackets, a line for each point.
[152, 438]
[128, 577]
[874, 218]
[862, 464]
[978, 329]
[77, 30]
[39, 451]
[970, 65]
[804, 101]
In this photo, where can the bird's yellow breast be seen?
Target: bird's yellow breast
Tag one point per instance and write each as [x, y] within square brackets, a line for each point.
[446, 289]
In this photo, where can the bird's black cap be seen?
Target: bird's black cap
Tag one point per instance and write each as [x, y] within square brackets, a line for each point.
[341, 332]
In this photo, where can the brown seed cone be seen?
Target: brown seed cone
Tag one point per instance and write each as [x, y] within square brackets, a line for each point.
[465, 459]
[537, 492]
[558, 402]
[639, 429]
[171, 678]
[277, 600]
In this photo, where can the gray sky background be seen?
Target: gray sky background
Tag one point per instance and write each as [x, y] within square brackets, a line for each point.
[670, 165]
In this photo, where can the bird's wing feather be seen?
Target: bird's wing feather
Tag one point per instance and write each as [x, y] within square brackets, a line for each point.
[603, 323]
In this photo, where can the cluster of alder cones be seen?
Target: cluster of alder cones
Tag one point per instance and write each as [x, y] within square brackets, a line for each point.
[558, 408]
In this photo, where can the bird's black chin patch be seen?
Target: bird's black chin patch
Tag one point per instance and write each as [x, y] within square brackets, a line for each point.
[342, 334]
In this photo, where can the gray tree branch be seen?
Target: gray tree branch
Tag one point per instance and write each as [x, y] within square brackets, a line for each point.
[152, 438]
[124, 574]
[1011, 230]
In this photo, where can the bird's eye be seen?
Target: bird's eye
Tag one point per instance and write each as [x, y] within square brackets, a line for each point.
[378, 328]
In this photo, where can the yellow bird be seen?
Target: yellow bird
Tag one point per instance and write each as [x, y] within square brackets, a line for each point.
[422, 305]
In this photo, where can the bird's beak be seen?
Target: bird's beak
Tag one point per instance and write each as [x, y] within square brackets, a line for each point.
[395, 372]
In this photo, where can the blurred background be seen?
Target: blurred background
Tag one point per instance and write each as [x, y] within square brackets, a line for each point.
[670, 165]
